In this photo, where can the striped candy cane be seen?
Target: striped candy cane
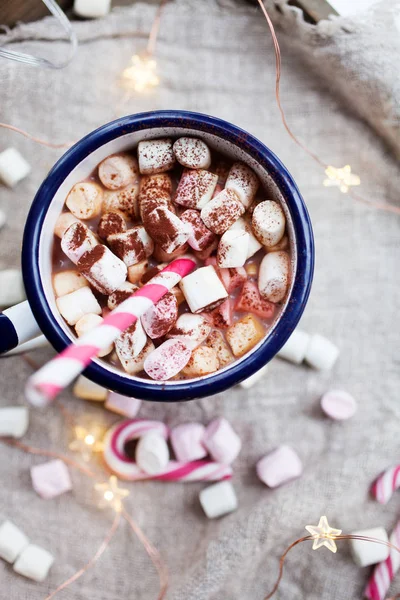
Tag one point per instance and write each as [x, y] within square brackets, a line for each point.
[384, 573]
[387, 483]
[46, 383]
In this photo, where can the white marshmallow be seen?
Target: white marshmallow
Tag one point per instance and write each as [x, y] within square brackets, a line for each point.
[167, 360]
[152, 454]
[222, 211]
[132, 246]
[12, 289]
[89, 390]
[75, 305]
[85, 200]
[161, 317]
[118, 171]
[244, 182]
[131, 342]
[296, 347]
[105, 271]
[111, 223]
[366, 553]
[133, 364]
[121, 294]
[87, 323]
[34, 562]
[268, 223]
[232, 249]
[218, 499]
[152, 199]
[124, 200]
[253, 379]
[200, 237]
[160, 182]
[192, 153]
[192, 329]
[155, 156]
[14, 421]
[186, 441]
[242, 225]
[65, 220]
[273, 276]
[222, 442]
[92, 9]
[321, 353]
[166, 229]
[203, 289]
[12, 541]
[122, 405]
[195, 188]
[13, 167]
[77, 240]
[68, 281]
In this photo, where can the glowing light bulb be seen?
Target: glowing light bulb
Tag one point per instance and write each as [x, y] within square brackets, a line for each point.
[341, 178]
[324, 535]
[112, 495]
[141, 75]
[87, 441]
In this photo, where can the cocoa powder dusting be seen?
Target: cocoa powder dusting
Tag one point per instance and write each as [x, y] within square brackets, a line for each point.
[90, 257]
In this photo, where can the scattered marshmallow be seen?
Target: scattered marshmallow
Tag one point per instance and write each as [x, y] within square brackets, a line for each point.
[222, 441]
[12, 289]
[152, 454]
[195, 188]
[192, 329]
[65, 220]
[338, 405]
[244, 182]
[13, 167]
[321, 353]
[217, 341]
[249, 300]
[12, 541]
[87, 323]
[75, 305]
[132, 364]
[111, 223]
[122, 405]
[161, 182]
[364, 553]
[85, 200]
[222, 211]
[167, 360]
[253, 245]
[77, 240]
[136, 272]
[200, 237]
[167, 229]
[218, 499]
[125, 200]
[118, 171]
[204, 360]
[51, 479]
[232, 249]
[122, 293]
[105, 271]
[92, 9]
[68, 281]
[152, 199]
[186, 441]
[14, 421]
[155, 156]
[269, 223]
[85, 389]
[132, 246]
[130, 343]
[253, 379]
[296, 347]
[273, 277]
[34, 562]
[203, 289]
[280, 466]
[244, 334]
[192, 153]
[161, 317]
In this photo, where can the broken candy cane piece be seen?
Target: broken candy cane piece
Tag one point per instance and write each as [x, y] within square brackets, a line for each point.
[167, 360]
[192, 153]
[155, 156]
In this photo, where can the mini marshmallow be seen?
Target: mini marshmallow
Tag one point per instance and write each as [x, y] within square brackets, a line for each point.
[159, 319]
[338, 404]
[14, 421]
[12, 289]
[51, 479]
[192, 329]
[161, 182]
[216, 341]
[192, 153]
[118, 171]
[92, 9]
[273, 277]
[296, 347]
[253, 379]
[364, 553]
[152, 199]
[222, 211]
[321, 353]
[34, 562]
[244, 182]
[280, 466]
[203, 361]
[13, 167]
[195, 188]
[85, 389]
[249, 300]
[242, 225]
[121, 294]
[87, 323]
[232, 249]
[111, 223]
[268, 223]
[200, 237]
[12, 541]
[77, 240]
[103, 269]
[152, 454]
[166, 257]
[132, 246]
[167, 360]
[218, 499]
[136, 272]
[243, 335]
[155, 156]
[68, 281]
[65, 220]
[124, 200]
[186, 441]
[222, 441]
[203, 289]
[133, 364]
[167, 229]
[130, 343]
[122, 405]
[75, 305]
[85, 200]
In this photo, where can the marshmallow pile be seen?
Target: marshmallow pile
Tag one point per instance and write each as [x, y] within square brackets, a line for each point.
[133, 215]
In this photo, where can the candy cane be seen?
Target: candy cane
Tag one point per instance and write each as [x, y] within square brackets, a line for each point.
[46, 383]
[387, 483]
[384, 573]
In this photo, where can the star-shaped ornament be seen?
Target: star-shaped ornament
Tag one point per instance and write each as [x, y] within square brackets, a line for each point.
[341, 178]
[111, 495]
[87, 441]
[141, 75]
[323, 535]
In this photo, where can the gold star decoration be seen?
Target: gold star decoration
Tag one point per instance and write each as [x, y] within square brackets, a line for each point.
[323, 535]
[87, 441]
[111, 495]
[341, 178]
[141, 75]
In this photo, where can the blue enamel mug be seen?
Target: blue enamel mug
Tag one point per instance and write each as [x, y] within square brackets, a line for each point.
[39, 313]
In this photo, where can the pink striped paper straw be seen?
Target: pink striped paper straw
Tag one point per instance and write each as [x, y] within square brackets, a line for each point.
[384, 573]
[46, 383]
[386, 484]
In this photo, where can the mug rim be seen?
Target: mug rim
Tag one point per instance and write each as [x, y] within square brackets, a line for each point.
[220, 381]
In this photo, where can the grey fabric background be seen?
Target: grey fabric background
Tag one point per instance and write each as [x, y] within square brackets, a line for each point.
[217, 58]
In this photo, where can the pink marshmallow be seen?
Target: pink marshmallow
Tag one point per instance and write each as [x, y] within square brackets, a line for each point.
[279, 466]
[222, 441]
[122, 405]
[338, 405]
[51, 479]
[186, 442]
